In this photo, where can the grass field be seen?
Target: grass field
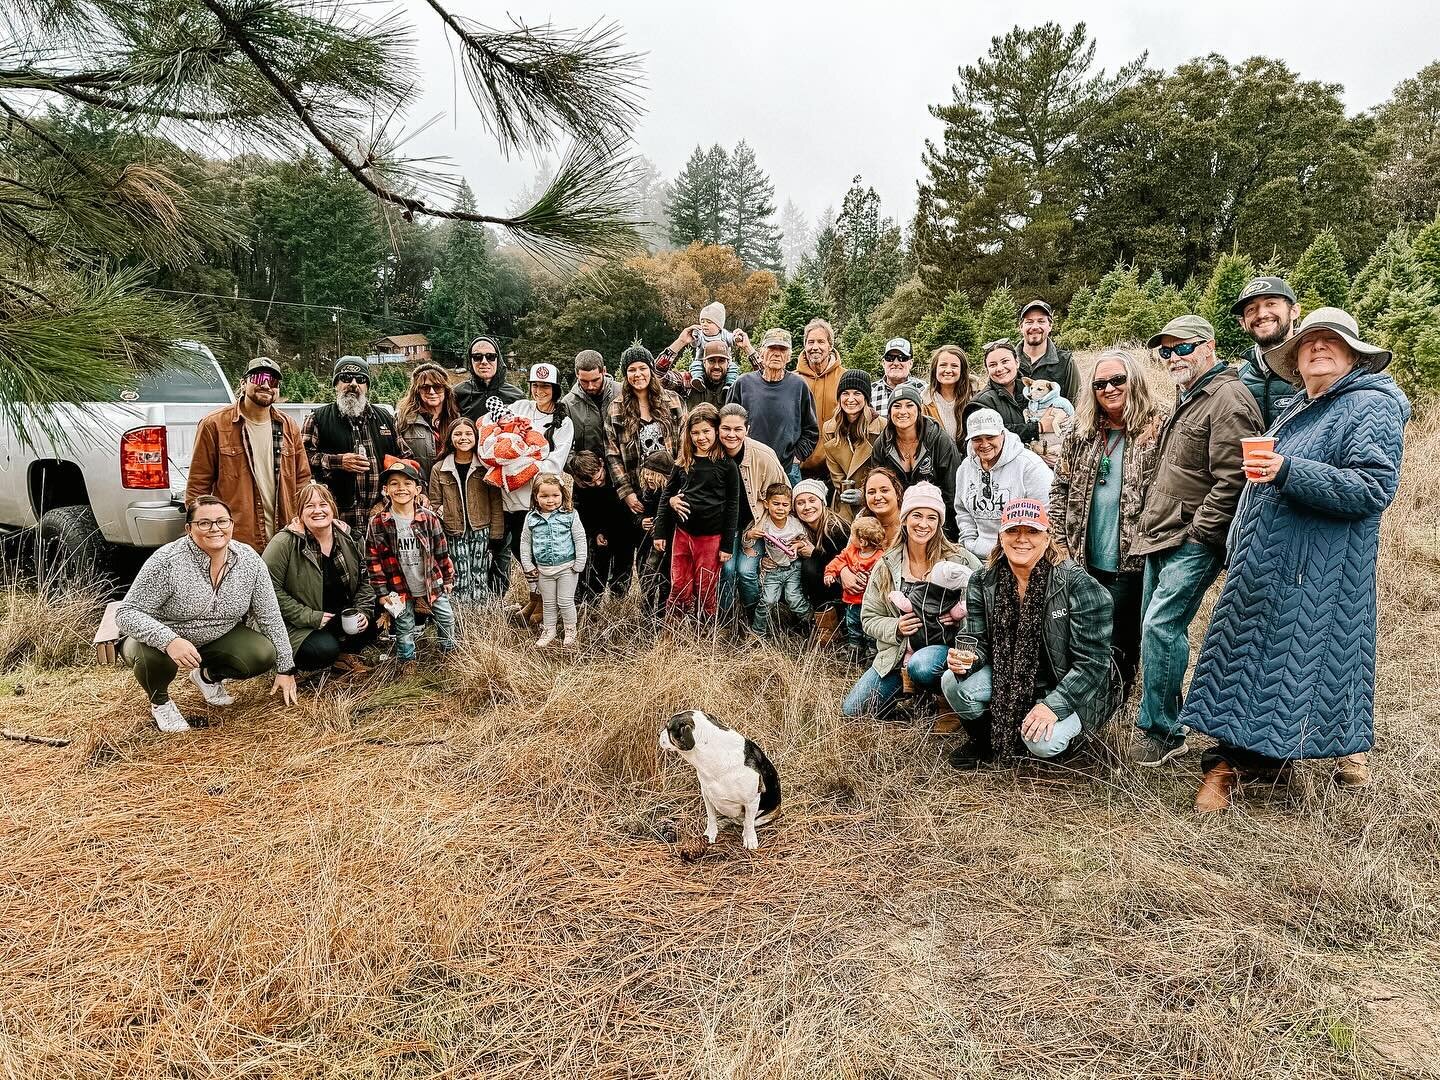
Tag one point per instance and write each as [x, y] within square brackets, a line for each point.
[488, 871]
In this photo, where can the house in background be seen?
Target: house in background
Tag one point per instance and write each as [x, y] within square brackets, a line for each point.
[412, 348]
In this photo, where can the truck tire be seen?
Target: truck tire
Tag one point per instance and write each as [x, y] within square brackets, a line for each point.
[67, 547]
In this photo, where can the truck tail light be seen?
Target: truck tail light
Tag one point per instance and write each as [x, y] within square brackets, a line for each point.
[144, 461]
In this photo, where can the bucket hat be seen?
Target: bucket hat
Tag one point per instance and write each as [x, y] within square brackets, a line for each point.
[1284, 359]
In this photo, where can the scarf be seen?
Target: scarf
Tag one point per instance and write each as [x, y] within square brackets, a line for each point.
[1017, 634]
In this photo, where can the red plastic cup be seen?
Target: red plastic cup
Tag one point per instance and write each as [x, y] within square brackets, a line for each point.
[1258, 444]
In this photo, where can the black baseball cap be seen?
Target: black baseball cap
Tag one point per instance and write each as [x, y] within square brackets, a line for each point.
[1046, 308]
[1262, 286]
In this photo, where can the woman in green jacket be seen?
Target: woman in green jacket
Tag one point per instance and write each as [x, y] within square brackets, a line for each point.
[319, 575]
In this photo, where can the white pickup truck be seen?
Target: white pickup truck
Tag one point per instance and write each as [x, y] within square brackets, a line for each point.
[117, 481]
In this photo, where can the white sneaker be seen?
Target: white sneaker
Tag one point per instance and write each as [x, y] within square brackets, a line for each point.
[168, 718]
[546, 637]
[214, 692]
[569, 636]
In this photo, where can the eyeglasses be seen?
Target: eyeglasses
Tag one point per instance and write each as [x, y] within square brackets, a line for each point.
[1185, 348]
[1116, 381]
[264, 378]
[484, 357]
[212, 524]
[358, 380]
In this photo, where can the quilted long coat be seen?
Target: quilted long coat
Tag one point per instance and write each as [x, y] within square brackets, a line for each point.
[1288, 664]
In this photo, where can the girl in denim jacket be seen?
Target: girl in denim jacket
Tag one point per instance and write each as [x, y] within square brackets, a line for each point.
[552, 554]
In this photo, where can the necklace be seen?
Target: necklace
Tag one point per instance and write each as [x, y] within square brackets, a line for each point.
[1110, 445]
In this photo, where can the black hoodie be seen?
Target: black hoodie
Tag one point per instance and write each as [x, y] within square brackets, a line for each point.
[471, 395]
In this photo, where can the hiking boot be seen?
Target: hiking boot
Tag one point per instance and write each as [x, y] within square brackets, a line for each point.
[213, 692]
[409, 667]
[168, 718]
[946, 722]
[972, 756]
[544, 640]
[350, 664]
[1217, 789]
[1353, 771]
[570, 638]
[1152, 751]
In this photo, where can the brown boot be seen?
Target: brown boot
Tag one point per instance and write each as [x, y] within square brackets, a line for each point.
[827, 625]
[1353, 771]
[535, 611]
[1217, 789]
[946, 722]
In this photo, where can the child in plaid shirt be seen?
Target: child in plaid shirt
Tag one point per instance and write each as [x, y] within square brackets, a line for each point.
[410, 565]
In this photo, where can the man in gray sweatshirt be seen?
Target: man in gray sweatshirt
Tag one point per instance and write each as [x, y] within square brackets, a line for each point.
[781, 410]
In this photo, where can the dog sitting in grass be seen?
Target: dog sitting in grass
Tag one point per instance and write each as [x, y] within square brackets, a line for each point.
[737, 781]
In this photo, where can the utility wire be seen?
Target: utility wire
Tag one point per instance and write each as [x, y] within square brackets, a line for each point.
[315, 307]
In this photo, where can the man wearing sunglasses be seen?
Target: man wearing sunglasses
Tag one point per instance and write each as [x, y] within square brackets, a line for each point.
[250, 455]
[348, 442]
[897, 362]
[488, 379]
[1185, 519]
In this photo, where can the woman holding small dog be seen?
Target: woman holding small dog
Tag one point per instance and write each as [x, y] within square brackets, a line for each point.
[1005, 393]
[1105, 468]
[1287, 670]
[1033, 671]
[907, 566]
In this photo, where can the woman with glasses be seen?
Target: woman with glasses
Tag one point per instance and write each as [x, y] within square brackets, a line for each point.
[424, 413]
[1005, 393]
[487, 380]
[187, 610]
[1106, 465]
[997, 469]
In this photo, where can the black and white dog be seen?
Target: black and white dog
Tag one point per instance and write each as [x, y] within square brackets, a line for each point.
[737, 780]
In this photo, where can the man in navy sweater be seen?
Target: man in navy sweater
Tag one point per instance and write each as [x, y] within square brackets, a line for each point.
[782, 412]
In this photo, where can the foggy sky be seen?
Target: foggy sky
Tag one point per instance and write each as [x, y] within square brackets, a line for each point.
[825, 91]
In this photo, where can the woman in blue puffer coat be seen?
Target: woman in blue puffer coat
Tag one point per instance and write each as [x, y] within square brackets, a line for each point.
[1287, 670]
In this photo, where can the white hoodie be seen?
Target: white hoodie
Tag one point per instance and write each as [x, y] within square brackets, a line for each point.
[1019, 474]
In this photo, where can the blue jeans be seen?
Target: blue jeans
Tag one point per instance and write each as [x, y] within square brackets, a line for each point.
[441, 614]
[792, 473]
[1175, 583]
[970, 696]
[780, 583]
[874, 694]
[744, 569]
[854, 632]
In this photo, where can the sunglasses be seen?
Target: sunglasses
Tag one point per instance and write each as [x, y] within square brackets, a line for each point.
[358, 380]
[895, 358]
[1114, 380]
[265, 378]
[1185, 348]
[432, 388]
[484, 357]
[998, 343]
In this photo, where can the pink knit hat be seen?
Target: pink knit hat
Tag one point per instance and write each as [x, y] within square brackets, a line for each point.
[922, 496]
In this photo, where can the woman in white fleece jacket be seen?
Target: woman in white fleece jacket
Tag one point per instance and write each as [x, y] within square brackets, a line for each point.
[997, 468]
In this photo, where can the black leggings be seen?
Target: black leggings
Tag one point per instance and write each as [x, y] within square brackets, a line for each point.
[507, 554]
[322, 647]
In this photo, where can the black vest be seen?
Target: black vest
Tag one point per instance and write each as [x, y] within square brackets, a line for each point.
[337, 436]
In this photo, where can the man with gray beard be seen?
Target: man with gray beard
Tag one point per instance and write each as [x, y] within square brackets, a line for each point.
[347, 443]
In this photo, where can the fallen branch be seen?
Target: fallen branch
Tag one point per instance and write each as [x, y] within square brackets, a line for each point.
[25, 736]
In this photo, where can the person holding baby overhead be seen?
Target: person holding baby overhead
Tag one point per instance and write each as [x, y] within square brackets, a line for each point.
[1032, 670]
[709, 481]
[901, 608]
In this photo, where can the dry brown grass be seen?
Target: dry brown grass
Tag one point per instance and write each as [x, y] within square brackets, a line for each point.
[473, 874]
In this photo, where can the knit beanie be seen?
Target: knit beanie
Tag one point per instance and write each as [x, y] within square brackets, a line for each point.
[811, 487]
[908, 393]
[348, 365]
[854, 379]
[636, 354]
[923, 496]
[715, 312]
[660, 461]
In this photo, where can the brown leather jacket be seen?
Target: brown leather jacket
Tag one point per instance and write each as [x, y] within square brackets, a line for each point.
[482, 504]
[1198, 482]
[220, 466]
[824, 389]
[847, 461]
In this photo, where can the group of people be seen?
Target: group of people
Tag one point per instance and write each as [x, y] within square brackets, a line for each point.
[925, 530]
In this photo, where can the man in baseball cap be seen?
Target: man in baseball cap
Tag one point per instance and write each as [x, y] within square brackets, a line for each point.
[780, 408]
[1039, 356]
[250, 456]
[1267, 310]
[897, 362]
[1184, 522]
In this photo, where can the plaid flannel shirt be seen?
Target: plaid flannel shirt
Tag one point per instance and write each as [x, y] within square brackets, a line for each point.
[386, 576]
[367, 484]
[881, 392]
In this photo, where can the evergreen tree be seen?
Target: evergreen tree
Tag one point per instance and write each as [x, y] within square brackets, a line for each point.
[751, 211]
[792, 307]
[462, 292]
[1426, 250]
[1320, 279]
[686, 207]
[797, 237]
[902, 310]
[1231, 274]
[1407, 143]
[864, 260]
[953, 324]
[850, 340]
[997, 317]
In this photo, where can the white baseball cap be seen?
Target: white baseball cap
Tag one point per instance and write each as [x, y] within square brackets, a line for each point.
[983, 422]
[546, 373]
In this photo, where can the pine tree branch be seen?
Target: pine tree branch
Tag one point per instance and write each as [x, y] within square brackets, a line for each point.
[73, 87]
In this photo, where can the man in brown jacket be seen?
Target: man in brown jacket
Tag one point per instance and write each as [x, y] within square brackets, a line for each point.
[820, 367]
[1187, 514]
[250, 456]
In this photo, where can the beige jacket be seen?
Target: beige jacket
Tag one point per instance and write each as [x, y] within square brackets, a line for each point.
[824, 389]
[759, 470]
[847, 461]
